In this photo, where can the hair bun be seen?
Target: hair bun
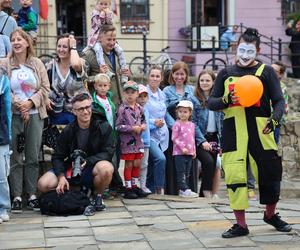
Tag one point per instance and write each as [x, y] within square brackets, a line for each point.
[251, 32]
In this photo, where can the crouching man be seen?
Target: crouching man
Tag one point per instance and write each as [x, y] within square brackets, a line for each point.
[83, 155]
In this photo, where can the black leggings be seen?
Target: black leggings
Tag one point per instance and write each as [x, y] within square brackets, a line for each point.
[208, 164]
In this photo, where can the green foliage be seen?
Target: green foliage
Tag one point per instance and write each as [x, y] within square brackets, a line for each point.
[293, 16]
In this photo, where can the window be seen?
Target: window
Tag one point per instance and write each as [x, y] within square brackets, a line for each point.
[208, 12]
[290, 7]
[134, 16]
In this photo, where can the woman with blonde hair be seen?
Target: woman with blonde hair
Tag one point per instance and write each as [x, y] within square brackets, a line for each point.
[30, 89]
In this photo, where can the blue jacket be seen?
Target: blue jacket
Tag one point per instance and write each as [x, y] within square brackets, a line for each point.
[5, 109]
[172, 99]
[28, 19]
[200, 118]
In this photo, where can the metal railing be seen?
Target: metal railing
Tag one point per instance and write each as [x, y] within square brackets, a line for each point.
[272, 51]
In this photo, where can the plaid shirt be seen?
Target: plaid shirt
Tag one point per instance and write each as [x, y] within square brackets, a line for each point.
[97, 20]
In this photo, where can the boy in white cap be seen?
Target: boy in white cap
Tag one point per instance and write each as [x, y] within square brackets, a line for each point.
[142, 100]
[184, 149]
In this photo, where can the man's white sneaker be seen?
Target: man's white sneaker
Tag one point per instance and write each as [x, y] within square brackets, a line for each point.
[188, 193]
[146, 190]
[4, 216]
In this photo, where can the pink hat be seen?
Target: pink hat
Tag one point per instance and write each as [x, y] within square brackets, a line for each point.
[142, 89]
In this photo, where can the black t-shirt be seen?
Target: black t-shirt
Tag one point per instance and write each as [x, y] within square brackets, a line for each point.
[272, 90]
[82, 138]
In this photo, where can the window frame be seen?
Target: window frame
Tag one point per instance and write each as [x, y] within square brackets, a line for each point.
[134, 14]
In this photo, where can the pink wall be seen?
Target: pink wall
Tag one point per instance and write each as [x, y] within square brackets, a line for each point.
[176, 20]
[265, 15]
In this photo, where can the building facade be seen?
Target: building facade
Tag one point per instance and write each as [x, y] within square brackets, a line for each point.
[163, 19]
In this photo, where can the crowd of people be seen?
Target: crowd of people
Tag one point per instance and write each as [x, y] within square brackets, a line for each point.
[159, 133]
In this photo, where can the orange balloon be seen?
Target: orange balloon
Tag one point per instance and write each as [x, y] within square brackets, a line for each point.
[249, 89]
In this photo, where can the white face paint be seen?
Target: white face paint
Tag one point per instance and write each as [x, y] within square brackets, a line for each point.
[246, 54]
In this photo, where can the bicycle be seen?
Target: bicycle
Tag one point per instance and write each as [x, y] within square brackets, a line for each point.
[216, 63]
[136, 65]
[46, 58]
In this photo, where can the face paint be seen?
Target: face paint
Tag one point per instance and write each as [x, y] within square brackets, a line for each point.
[246, 54]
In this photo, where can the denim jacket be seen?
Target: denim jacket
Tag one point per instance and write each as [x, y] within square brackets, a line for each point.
[200, 118]
[173, 98]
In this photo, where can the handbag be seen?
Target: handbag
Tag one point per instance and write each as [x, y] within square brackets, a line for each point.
[71, 202]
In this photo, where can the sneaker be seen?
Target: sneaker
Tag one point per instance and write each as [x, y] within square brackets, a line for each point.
[33, 205]
[106, 194]
[235, 231]
[140, 192]
[98, 203]
[110, 74]
[117, 191]
[4, 216]
[89, 211]
[251, 195]
[146, 190]
[121, 189]
[16, 206]
[130, 194]
[124, 79]
[215, 197]
[188, 193]
[1, 221]
[278, 223]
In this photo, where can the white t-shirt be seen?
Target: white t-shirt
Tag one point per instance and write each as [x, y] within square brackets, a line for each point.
[211, 124]
[109, 115]
[23, 84]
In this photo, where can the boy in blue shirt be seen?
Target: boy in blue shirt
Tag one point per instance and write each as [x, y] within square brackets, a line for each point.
[28, 19]
[142, 100]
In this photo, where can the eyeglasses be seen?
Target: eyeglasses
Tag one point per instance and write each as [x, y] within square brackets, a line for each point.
[82, 109]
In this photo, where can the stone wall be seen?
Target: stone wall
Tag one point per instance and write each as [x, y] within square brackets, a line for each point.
[289, 149]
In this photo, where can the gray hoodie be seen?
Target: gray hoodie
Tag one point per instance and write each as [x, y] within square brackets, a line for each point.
[10, 25]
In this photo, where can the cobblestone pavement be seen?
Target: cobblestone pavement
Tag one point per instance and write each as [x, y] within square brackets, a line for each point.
[159, 222]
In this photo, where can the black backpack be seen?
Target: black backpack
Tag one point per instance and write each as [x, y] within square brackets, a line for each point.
[70, 203]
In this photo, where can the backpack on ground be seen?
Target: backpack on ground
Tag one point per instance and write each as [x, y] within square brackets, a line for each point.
[70, 203]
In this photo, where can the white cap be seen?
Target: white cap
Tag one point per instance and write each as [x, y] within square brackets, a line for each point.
[185, 104]
[142, 89]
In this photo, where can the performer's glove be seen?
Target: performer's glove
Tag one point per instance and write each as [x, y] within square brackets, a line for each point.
[228, 99]
[272, 124]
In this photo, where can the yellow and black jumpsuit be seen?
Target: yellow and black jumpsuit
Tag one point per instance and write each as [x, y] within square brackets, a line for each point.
[243, 140]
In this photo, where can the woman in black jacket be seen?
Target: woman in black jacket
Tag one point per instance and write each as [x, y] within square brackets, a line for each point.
[294, 46]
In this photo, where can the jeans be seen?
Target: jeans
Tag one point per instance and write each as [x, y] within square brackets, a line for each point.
[156, 167]
[277, 133]
[144, 168]
[183, 165]
[208, 161]
[63, 118]
[250, 178]
[33, 130]
[4, 172]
